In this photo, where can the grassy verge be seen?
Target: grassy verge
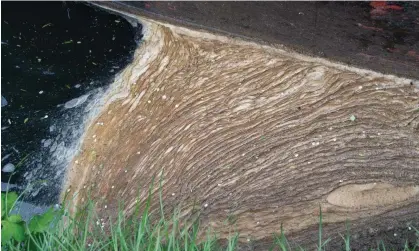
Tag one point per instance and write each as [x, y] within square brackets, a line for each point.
[57, 230]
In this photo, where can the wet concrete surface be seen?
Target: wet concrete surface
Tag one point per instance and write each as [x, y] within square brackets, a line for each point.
[382, 36]
[255, 133]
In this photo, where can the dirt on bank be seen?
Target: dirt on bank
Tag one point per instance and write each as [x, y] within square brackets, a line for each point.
[382, 36]
[257, 134]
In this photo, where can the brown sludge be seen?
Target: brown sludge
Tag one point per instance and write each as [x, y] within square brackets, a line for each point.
[253, 132]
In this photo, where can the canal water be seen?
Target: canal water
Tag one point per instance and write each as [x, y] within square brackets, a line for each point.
[57, 60]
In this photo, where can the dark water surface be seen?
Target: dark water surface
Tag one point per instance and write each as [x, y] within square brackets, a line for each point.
[57, 59]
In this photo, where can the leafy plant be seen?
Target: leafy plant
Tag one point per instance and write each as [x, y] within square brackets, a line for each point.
[13, 228]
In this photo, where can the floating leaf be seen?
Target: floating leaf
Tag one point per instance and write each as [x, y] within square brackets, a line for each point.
[11, 230]
[352, 118]
[26, 120]
[46, 25]
[68, 42]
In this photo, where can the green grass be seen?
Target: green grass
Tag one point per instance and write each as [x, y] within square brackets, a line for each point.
[140, 231]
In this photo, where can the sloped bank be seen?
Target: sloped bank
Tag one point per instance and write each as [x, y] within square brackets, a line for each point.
[257, 134]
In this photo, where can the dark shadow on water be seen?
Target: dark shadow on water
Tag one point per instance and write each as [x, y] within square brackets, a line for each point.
[54, 52]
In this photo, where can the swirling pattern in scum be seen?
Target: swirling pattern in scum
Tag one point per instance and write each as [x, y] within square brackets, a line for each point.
[254, 132]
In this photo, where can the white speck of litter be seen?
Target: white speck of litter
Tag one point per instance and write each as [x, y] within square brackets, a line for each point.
[248, 240]
[68, 190]
[79, 42]
[94, 136]
[395, 234]
[257, 223]
[340, 181]
[113, 187]
[39, 60]
[41, 91]
[149, 101]
[164, 97]
[334, 139]
[84, 186]
[106, 206]
[206, 205]
[113, 38]
[360, 87]
[46, 116]
[176, 106]
[409, 228]
[126, 171]
[76, 161]
[173, 194]
[138, 152]
[296, 155]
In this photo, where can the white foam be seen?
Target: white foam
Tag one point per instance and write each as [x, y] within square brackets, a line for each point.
[76, 102]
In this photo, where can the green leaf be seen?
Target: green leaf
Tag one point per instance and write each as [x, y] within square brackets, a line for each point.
[40, 223]
[11, 230]
[16, 218]
[9, 200]
[68, 42]
[3, 205]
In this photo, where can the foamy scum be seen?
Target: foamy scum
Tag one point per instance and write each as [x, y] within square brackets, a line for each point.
[250, 131]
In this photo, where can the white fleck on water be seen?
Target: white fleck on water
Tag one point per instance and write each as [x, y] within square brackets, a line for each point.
[47, 143]
[5, 157]
[8, 168]
[3, 101]
[76, 102]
